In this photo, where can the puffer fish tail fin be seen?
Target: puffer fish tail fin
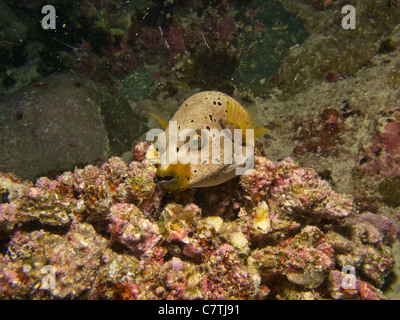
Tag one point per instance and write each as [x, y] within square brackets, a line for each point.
[160, 120]
[244, 118]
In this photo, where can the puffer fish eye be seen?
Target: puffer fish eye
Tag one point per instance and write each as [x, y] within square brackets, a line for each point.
[196, 141]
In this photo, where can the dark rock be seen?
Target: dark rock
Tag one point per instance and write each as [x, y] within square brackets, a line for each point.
[60, 122]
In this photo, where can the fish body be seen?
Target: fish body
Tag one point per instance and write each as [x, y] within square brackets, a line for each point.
[205, 134]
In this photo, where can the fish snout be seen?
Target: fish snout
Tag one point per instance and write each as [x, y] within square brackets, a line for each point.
[165, 179]
[174, 178]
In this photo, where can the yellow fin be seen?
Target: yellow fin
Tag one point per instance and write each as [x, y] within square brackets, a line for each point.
[160, 120]
[153, 155]
[244, 119]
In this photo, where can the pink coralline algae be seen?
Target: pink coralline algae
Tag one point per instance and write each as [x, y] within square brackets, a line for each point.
[226, 27]
[131, 228]
[295, 190]
[109, 232]
[383, 157]
[378, 169]
[174, 38]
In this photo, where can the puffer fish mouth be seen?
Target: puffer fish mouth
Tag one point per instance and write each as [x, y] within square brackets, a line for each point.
[166, 179]
[174, 178]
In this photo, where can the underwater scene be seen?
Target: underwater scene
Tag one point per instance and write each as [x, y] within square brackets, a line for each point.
[199, 150]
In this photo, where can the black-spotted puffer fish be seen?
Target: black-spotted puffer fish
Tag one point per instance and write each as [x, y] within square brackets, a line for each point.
[208, 141]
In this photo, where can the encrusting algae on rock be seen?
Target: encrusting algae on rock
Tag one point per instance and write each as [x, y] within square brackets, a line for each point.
[208, 150]
[280, 233]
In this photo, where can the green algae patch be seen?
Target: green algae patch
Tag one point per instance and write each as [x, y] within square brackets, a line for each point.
[268, 37]
[389, 189]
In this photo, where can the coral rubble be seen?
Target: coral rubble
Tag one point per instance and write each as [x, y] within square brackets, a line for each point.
[110, 232]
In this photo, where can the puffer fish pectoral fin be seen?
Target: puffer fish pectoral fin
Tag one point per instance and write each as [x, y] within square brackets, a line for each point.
[244, 118]
[153, 155]
[160, 120]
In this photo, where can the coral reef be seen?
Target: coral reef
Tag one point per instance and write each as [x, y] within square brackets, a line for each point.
[328, 96]
[279, 232]
[196, 45]
[330, 52]
[380, 163]
[268, 34]
[346, 131]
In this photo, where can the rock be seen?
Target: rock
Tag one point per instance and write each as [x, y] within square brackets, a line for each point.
[137, 85]
[268, 37]
[11, 27]
[60, 122]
